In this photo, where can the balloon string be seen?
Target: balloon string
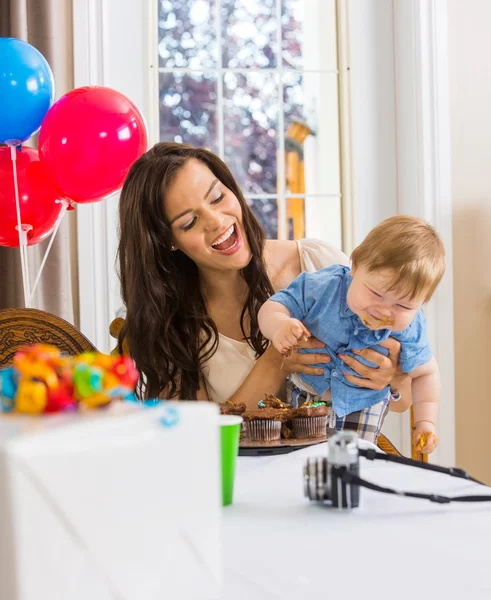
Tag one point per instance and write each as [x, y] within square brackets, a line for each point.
[25, 230]
[64, 208]
[21, 232]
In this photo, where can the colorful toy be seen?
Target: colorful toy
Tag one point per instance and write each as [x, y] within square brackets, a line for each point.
[42, 380]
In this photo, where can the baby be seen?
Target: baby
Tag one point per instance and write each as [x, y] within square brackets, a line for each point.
[394, 272]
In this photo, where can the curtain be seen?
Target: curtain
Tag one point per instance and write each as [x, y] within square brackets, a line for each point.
[46, 25]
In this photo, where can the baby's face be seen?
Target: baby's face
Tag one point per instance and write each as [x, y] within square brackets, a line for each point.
[379, 308]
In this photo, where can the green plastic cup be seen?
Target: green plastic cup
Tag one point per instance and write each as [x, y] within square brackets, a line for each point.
[229, 433]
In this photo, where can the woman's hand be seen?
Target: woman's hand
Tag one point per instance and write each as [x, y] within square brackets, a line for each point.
[388, 371]
[298, 362]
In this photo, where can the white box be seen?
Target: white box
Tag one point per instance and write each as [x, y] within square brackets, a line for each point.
[111, 505]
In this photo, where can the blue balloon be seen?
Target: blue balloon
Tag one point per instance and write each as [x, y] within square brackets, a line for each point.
[26, 90]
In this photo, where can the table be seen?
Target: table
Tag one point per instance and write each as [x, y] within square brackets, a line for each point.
[278, 545]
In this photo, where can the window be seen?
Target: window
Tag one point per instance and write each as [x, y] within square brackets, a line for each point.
[256, 82]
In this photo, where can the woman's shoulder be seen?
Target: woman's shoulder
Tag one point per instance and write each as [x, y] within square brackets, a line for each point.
[286, 259]
[282, 262]
[318, 254]
[280, 250]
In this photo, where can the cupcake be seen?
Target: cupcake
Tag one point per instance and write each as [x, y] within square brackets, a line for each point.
[310, 420]
[265, 424]
[271, 401]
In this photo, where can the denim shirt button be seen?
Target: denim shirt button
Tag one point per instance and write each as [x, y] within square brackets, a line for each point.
[355, 331]
[334, 374]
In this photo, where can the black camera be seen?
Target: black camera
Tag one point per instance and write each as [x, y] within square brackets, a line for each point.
[335, 480]
[324, 477]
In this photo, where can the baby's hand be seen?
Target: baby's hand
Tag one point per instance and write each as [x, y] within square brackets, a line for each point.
[425, 437]
[289, 334]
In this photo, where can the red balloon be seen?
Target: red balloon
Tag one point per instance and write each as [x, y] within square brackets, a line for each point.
[37, 198]
[88, 141]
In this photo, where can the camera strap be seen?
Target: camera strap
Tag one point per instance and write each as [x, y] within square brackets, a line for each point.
[350, 478]
[371, 454]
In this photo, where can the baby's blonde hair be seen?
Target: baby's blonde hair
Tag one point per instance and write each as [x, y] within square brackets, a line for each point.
[410, 248]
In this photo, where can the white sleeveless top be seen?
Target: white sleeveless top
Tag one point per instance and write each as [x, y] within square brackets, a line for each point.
[232, 362]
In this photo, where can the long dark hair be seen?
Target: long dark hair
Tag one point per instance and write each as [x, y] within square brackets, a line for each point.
[167, 328]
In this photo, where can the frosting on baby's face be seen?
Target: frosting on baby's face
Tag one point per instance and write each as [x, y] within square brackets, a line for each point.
[378, 306]
[373, 323]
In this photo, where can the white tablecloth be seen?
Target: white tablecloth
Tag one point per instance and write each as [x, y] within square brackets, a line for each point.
[278, 545]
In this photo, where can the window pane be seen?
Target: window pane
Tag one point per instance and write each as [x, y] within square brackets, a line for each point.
[249, 34]
[292, 25]
[266, 210]
[323, 219]
[250, 129]
[312, 133]
[295, 218]
[188, 109]
[187, 36]
[309, 34]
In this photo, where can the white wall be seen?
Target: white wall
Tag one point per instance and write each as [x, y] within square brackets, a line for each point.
[470, 96]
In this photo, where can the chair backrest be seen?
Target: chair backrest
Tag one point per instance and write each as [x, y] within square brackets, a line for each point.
[387, 446]
[114, 330]
[23, 326]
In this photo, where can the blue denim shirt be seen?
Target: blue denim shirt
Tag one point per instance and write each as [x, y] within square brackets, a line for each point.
[319, 300]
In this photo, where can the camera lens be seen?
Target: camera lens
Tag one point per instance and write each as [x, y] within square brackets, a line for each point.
[316, 479]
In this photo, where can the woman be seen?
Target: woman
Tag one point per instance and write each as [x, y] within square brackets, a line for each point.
[195, 269]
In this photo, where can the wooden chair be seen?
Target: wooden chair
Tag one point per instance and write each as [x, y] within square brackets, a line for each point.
[387, 446]
[22, 326]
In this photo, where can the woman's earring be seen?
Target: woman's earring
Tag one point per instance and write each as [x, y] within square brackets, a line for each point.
[173, 248]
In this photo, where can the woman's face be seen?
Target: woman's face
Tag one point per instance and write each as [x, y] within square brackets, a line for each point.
[206, 219]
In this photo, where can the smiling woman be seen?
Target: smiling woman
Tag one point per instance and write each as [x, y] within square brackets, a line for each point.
[189, 242]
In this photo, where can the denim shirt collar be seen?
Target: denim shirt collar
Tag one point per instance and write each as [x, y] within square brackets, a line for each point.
[344, 309]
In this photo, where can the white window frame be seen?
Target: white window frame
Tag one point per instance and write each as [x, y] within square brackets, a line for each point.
[322, 151]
